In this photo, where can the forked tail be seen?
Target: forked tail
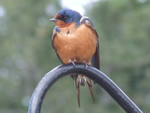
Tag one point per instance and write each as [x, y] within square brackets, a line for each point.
[82, 80]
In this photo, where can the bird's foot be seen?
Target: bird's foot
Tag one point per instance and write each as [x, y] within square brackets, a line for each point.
[72, 61]
[86, 64]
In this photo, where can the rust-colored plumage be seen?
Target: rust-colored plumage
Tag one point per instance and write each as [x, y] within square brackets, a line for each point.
[76, 41]
[72, 43]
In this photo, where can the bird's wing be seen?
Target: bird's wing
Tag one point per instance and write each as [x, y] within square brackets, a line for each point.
[96, 57]
[55, 30]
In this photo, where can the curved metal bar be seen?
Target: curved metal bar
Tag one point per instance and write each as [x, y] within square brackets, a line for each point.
[103, 80]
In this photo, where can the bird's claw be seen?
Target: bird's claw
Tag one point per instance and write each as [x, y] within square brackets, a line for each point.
[86, 64]
[72, 61]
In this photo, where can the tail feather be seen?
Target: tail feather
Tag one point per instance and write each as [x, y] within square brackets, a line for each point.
[81, 80]
[90, 88]
[77, 89]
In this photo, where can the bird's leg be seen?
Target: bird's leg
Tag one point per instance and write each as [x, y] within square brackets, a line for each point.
[90, 88]
[72, 61]
[86, 64]
[77, 88]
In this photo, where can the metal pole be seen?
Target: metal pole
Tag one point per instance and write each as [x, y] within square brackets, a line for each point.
[103, 80]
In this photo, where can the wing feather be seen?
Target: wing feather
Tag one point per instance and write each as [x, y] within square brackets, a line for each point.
[56, 29]
[96, 57]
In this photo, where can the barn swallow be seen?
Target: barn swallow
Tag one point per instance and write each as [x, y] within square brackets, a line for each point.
[75, 40]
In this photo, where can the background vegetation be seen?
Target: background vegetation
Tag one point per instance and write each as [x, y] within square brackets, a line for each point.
[26, 54]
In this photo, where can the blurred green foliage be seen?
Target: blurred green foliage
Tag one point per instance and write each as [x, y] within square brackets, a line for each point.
[26, 54]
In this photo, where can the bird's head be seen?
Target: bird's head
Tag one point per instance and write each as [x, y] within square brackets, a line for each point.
[65, 17]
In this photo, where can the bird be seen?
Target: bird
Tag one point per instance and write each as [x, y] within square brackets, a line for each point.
[75, 40]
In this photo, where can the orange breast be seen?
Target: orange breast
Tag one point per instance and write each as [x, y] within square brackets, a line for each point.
[75, 43]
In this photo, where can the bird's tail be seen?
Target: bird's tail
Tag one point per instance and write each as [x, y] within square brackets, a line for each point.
[82, 80]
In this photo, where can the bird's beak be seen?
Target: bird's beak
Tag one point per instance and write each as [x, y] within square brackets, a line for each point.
[53, 20]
